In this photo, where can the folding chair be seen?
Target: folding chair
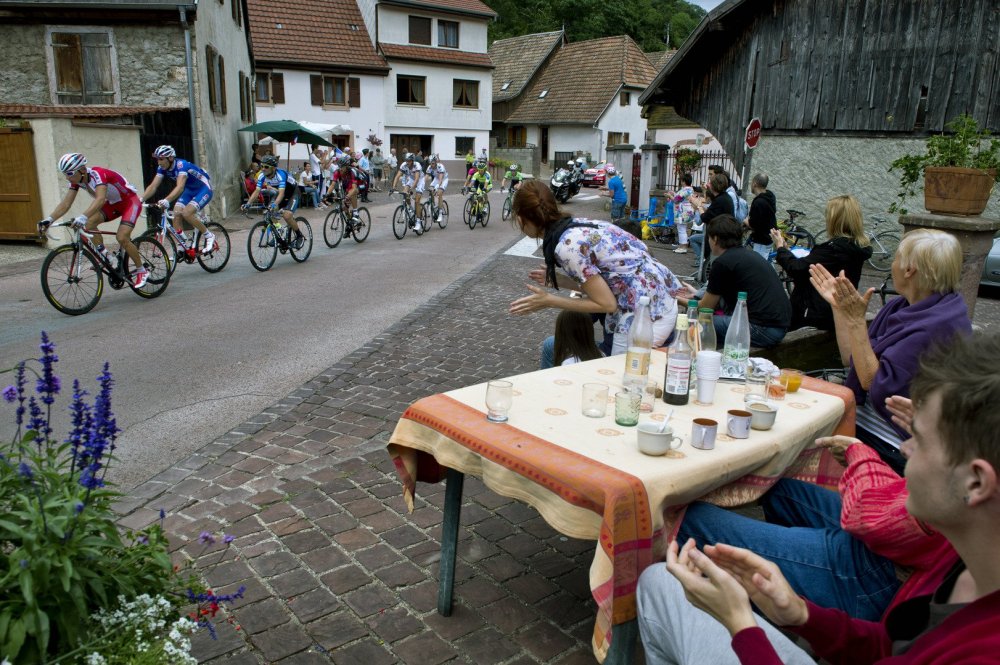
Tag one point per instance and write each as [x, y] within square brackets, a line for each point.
[256, 207]
[663, 227]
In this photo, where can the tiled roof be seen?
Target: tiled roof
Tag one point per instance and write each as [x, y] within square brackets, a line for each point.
[445, 56]
[516, 60]
[76, 111]
[660, 58]
[581, 79]
[317, 32]
[474, 7]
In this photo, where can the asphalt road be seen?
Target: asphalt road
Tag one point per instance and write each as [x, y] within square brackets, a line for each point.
[214, 350]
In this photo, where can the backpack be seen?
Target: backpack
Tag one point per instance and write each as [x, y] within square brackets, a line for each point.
[741, 210]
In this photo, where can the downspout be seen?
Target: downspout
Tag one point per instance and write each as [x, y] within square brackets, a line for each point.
[190, 80]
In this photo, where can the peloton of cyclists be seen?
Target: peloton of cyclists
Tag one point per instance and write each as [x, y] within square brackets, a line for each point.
[287, 198]
[114, 197]
[412, 176]
[192, 192]
[513, 176]
[347, 176]
[438, 176]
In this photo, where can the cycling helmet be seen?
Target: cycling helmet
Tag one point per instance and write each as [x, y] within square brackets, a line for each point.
[71, 162]
[610, 170]
[571, 163]
[269, 160]
[433, 158]
[480, 165]
[409, 157]
[165, 152]
[581, 161]
[515, 167]
[345, 160]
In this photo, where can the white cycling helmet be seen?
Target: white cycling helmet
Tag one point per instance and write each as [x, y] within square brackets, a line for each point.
[571, 163]
[515, 167]
[581, 161]
[409, 157]
[610, 169]
[71, 162]
[165, 152]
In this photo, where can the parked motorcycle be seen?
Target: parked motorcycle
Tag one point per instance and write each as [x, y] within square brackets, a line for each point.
[565, 184]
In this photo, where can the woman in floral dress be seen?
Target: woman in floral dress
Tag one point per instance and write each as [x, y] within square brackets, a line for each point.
[683, 213]
[610, 266]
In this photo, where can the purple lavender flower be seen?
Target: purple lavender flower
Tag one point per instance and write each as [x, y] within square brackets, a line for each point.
[10, 394]
[25, 471]
[163, 514]
[228, 539]
[78, 508]
[80, 412]
[48, 384]
[143, 539]
[19, 383]
[206, 538]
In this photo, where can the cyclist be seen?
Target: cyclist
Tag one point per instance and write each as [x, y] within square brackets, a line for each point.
[438, 175]
[347, 176]
[286, 198]
[413, 180]
[192, 193]
[114, 197]
[513, 176]
[481, 182]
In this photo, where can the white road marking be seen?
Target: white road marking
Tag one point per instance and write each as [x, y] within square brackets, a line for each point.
[588, 198]
[524, 247]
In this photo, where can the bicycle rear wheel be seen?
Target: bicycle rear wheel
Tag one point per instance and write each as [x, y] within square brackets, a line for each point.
[443, 212]
[72, 280]
[302, 253]
[362, 225]
[506, 209]
[217, 259]
[468, 214]
[802, 238]
[262, 248]
[884, 247]
[484, 217]
[333, 228]
[399, 222]
[820, 237]
[154, 259]
[426, 221]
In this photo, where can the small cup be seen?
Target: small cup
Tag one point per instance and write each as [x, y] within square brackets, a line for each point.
[756, 387]
[648, 398]
[627, 405]
[706, 390]
[654, 442]
[738, 423]
[595, 399]
[499, 397]
[762, 416]
[792, 378]
[777, 388]
[703, 433]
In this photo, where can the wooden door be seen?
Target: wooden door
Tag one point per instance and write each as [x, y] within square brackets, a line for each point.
[20, 201]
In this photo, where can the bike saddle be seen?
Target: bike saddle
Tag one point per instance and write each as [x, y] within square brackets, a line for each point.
[795, 213]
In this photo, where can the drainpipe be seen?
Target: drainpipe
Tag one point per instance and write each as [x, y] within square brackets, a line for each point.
[190, 80]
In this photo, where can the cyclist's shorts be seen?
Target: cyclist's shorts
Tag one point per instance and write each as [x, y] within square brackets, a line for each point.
[199, 197]
[479, 184]
[514, 182]
[418, 186]
[290, 202]
[128, 209]
[442, 186]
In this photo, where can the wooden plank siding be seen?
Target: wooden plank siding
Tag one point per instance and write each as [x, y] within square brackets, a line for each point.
[858, 67]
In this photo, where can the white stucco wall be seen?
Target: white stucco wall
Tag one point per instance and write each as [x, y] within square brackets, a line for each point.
[573, 138]
[443, 140]
[438, 111]
[394, 28]
[618, 118]
[672, 137]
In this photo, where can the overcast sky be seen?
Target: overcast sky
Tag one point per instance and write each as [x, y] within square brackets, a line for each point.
[707, 5]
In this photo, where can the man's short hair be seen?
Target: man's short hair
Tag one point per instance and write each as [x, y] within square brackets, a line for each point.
[963, 371]
[716, 168]
[313, 146]
[760, 181]
[719, 183]
[726, 231]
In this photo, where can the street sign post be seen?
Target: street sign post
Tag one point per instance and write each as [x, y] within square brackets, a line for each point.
[753, 134]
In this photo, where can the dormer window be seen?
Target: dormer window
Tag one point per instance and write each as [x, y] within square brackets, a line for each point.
[354, 27]
[542, 94]
[505, 85]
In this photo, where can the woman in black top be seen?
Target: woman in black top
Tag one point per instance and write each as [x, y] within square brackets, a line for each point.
[847, 250]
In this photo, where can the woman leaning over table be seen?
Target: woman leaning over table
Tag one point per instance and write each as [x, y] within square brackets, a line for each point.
[883, 357]
[610, 266]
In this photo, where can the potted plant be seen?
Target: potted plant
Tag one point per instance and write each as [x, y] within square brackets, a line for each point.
[959, 170]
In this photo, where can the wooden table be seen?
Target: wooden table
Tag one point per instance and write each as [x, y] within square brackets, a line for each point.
[587, 479]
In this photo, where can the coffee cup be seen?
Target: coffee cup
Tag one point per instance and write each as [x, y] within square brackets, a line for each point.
[703, 431]
[654, 442]
[738, 423]
[761, 415]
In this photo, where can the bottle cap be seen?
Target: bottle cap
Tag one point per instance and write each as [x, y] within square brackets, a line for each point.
[643, 300]
[707, 310]
[692, 303]
[742, 295]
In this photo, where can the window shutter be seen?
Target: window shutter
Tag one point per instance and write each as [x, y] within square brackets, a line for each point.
[316, 89]
[68, 54]
[243, 105]
[222, 84]
[278, 88]
[210, 68]
[354, 94]
[249, 98]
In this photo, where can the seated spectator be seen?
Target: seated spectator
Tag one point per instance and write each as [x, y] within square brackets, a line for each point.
[735, 268]
[257, 151]
[883, 357]
[308, 185]
[948, 613]
[847, 250]
[762, 218]
[573, 341]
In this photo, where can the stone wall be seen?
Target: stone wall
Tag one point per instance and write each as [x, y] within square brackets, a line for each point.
[805, 172]
[151, 66]
[529, 159]
[27, 82]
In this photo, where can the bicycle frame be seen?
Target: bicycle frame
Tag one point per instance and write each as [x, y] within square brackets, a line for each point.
[82, 240]
[166, 226]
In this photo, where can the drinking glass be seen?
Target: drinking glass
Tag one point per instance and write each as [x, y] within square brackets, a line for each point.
[499, 396]
[627, 403]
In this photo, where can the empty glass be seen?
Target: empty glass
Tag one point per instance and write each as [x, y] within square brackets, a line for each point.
[499, 397]
[627, 403]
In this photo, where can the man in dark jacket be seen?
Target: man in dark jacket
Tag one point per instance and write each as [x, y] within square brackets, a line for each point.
[721, 204]
[762, 216]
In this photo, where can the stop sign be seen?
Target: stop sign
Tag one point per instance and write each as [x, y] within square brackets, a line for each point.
[753, 134]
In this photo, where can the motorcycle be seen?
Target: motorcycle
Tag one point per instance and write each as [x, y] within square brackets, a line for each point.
[565, 184]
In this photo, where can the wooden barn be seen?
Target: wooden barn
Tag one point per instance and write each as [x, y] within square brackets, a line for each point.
[842, 87]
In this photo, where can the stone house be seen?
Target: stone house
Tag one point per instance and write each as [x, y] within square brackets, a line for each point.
[115, 78]
[837, 105]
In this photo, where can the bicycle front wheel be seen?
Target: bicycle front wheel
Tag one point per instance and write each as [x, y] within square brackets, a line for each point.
[72, 280]
[820, 237]
[803, 238]
[261, 246]
[169, 246]
[426, 221]
[884, 246]
[399, 222]
[300, 254]
[443, 215]
[333, 228]
[506, 209]
[467, 213]
[484, 217]
[154, 259]
[362, 225]
[217, 259]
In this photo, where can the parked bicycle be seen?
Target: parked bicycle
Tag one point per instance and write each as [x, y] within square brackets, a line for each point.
[73, 274]
[339, 223]
[170, 238]
[883, 243]
[272, 235]
[405, 216]
[795, 234]
[476, 209]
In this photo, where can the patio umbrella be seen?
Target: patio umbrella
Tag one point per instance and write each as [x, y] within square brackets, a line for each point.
[286, 131]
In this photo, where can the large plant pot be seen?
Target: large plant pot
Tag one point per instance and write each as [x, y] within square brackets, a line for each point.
[950, 190]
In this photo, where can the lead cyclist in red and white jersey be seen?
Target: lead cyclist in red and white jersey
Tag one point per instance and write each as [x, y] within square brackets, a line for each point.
[114, 197]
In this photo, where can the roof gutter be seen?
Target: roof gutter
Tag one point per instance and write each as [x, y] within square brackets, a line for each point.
[188, 63]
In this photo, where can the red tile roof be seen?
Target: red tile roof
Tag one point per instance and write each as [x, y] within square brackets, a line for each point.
[517, 59]
[659, 59]
[581, 79]
[77, 111]
[474, 7]
[317, 32]
[444, 56]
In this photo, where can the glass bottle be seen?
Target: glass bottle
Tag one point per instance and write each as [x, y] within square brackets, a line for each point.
[640, 343]
[706, 325]
[694, 337]
[677, 379]
[736, 351]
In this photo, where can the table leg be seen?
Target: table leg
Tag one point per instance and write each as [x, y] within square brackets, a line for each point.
[449, 539]
[623, 639]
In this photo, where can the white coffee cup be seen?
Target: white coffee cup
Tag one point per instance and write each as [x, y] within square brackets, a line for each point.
[762, 415]
[654, 442]
[703, 432]
[738, 423]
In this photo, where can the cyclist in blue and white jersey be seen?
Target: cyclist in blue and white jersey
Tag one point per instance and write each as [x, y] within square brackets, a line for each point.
[286, 198]
[192, 192]
[412, 176]
[438, 176]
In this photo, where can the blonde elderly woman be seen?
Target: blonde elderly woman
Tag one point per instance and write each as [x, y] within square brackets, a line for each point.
[883, 357]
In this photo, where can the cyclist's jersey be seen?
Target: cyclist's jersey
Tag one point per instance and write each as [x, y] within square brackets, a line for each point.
[347, 180]
[279, 180]
[119, 189]
[197, 177]
[481, 181]
[438, 170]
[410, 173]
[513, 176]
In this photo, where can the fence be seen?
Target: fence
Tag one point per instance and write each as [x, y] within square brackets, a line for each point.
[668, 177]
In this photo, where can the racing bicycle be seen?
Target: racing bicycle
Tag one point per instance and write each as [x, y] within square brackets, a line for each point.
[339, 223]
[477, 209]
[170, 238]
[508, 204]
[432, 210]
[73, 274]
[405, 216]
[272, 235]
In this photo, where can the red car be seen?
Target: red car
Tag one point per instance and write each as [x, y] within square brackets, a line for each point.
[596, 176]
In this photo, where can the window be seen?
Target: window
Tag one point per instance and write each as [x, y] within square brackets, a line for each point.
[236, 11]
[625, 99]
[216, 67]
[420, 30]
[617, 138]
[463, 144]
[447, 34]
[542, 94]
[84, 67]
[410, 90]
[516, 137]
[506, 85]
[466, 94]
[334, 91]
[270, 88]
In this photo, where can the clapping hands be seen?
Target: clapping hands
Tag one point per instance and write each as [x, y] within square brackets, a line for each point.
[839, 292]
